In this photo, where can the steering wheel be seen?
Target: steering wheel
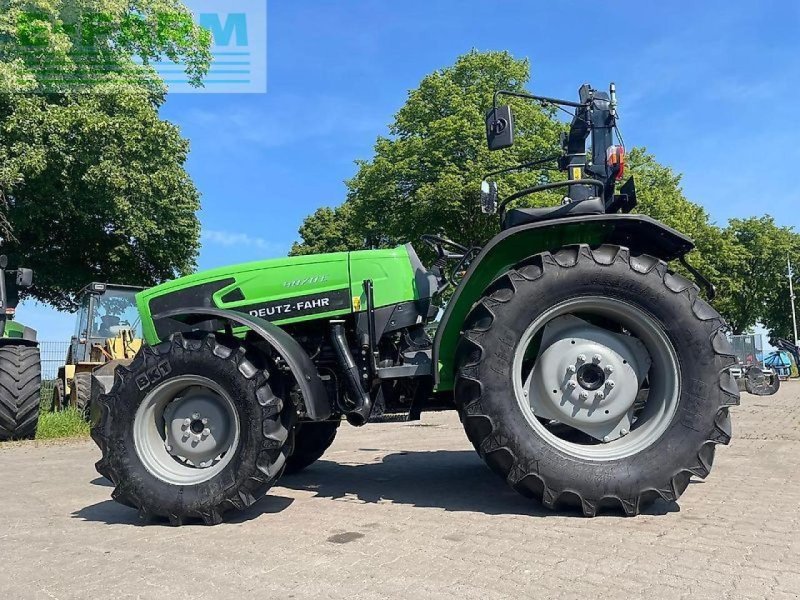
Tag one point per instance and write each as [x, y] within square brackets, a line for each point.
[442, 244]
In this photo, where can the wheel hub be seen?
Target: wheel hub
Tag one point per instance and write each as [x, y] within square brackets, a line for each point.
[198, 427]
[587, 377]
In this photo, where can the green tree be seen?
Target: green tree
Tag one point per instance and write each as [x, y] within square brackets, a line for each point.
[425, 177]
[764, 294]
[92, 181]
[328, 230]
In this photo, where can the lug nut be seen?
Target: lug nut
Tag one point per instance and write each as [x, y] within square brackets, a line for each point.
[609, 369]
[581, 358]
[204, 420]
[610, 384]
[606, 439]
[195, 416]
[623, 432]
[206, 432]
[571, 369]
[599, 395]
[186, 422]
[583, 395]
[596, 358]
[571, 385]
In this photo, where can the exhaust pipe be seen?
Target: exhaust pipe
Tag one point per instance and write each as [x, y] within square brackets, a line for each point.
[358, 415]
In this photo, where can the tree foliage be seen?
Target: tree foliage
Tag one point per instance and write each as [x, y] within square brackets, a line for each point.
[764, 293]
[424, 178]
[92, 181]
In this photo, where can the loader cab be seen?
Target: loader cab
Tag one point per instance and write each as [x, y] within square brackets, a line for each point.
[105, 311]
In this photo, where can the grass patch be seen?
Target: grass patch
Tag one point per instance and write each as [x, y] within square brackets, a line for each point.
[65, 424]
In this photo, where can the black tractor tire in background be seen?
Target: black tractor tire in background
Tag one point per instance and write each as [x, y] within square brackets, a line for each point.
[58, 401]
[82, 387]
[20, 385]
[311, 440]
[498, 429]
[265, 432]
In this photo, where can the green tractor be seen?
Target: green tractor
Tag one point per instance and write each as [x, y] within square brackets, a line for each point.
[20, 362]
[586, 372]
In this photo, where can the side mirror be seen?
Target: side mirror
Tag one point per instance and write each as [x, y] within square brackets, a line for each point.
[24, 278]
[500, 128]
[488, 197]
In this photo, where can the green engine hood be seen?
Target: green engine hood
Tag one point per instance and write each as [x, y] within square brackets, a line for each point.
[290, 290]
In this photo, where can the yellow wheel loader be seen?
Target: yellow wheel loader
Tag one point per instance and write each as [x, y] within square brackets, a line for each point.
[107, 328]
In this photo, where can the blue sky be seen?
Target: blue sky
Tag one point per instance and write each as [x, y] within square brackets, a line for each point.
[706, 86]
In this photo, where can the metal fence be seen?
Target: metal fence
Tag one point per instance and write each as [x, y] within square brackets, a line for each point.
[53, 356]
[749, 349]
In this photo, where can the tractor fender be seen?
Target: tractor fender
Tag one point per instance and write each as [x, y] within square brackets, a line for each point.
[637, 232]
[212, 319]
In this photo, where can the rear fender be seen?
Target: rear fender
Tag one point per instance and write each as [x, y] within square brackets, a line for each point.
[213, 319]
[641, 234]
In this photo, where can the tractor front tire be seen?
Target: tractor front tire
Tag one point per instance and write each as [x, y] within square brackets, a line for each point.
[233, 418]
[20, 385]
[620, 470]
[311, 440]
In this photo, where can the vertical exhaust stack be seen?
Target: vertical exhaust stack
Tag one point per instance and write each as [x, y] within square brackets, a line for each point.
[359, 415]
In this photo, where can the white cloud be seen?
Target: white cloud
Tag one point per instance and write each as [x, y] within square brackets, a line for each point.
[239, 239]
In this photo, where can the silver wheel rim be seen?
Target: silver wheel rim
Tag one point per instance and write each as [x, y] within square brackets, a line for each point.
[641, 335]
[186, 430]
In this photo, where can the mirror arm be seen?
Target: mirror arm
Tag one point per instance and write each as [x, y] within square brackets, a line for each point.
[538, 98]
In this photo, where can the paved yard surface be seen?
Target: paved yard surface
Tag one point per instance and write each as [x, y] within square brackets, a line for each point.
[409, 511]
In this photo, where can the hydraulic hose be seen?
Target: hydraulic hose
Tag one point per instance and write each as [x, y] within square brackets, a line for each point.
[363, 403]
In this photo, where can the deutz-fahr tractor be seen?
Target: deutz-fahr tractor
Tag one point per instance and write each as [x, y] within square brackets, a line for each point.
[586, 372]
[107, 328]
[20, 362]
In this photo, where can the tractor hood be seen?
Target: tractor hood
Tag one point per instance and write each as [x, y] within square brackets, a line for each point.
[289, 290]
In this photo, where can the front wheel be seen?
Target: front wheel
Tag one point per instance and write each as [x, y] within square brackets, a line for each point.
[311, 440]
[192, 428]
[594, 378]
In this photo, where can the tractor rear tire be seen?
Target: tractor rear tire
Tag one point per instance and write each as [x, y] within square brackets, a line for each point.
[82, 389]
[146, 453]
[311, 440]
[534, 460]
[20, 385]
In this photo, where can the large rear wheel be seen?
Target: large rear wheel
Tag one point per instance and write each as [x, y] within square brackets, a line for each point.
[20, 386]
[593, 378]
[193, 428]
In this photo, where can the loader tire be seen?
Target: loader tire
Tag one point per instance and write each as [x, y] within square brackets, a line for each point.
[20, 384]
[82, 389]
[535, 455]
[235, 413]
[311, 440]
[58, 402]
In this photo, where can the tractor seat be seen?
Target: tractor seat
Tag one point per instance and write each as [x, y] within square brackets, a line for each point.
[523, 216]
